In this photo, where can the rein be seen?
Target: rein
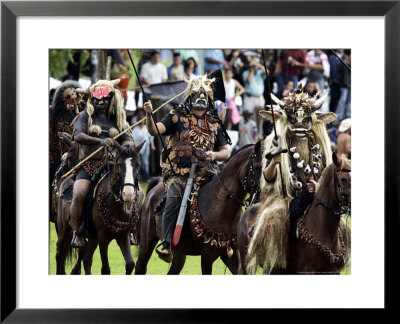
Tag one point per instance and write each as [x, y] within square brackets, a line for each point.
[344, 203]
[248, 177]
[344, 207]
[116, 197]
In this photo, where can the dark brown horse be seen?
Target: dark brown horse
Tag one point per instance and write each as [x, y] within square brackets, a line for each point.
[114, 213]
[323, 239]
[220, 204]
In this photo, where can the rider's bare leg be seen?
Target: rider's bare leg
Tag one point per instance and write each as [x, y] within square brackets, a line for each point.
[81, 189]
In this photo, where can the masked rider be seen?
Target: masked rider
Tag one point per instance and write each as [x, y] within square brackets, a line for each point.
[103, 119]
[302, 128]
[195, 136]
[66, 105]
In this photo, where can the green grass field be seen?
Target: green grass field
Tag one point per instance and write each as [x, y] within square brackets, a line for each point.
[117, 263]
[155, 265]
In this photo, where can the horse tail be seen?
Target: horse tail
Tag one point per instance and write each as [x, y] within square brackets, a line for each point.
[268, 247]
[346, 234]
[71, 253]
[152, 183]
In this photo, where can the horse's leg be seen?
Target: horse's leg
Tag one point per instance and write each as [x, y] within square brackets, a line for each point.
[77, 268]
[233, 262]
[178, 262]
[207, 260]
[125, 246]
[103, 244]
[145, 251]
[88, 258]
[62, 250]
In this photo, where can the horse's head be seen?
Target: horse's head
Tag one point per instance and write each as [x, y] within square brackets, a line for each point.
[299, 110]
[128, 164]
[343, 177]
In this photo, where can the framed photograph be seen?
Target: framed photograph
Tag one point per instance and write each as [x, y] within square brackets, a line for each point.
[32, 32]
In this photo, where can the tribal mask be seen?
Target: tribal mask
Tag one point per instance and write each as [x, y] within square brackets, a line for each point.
[199, 93]
[300, 110]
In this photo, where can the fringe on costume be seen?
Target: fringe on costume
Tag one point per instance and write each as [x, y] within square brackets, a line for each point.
[268, 247]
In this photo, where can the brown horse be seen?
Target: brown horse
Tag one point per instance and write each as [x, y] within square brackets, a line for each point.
[220, 204]
[323, 239]
[114, 213]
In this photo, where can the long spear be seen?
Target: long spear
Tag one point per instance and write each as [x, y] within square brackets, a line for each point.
[277, 138]
[152, 116]
[123, 132]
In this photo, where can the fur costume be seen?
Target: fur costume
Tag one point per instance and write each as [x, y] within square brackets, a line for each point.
[269, 244]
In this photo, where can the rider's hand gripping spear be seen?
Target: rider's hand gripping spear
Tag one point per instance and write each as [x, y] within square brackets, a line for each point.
[152, 116]
[277, 141]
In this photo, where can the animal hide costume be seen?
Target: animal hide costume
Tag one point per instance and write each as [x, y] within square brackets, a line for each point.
[66, 105]
[189, 137]
[92, 124]
[303, 133]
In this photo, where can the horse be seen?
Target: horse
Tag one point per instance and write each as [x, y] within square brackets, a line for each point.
[322, 243]
[209, 232]
[114, 213]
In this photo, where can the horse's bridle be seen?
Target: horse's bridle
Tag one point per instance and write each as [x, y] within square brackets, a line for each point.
[249, 176]
[341, 197]
[117, 198]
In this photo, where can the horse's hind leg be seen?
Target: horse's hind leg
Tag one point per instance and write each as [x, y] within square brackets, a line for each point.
[88, 258]
[145, 252]
[233, 262]
[77, 268]
[125, 246]
[207, 260]
[103, 244]
[62, 251]
[178, 262]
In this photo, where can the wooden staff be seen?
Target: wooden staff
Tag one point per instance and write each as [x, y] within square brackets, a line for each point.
[115, 137]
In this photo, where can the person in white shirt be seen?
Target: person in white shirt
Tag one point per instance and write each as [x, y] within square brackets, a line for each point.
[153, 72]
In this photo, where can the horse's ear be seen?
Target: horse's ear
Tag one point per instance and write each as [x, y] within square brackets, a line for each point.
[336, 159]
[118, 147]
[139, 147]
[257, 148]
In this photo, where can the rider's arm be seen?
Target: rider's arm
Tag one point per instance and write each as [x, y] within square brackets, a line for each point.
[151, 127]
[270, 170]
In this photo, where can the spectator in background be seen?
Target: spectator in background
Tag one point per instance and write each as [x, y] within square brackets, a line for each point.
[286, 68]
[247, 130]
[334, 83]
[214, 59]
[196, 66]
[231, 85]
[140, 134]
[343, 109]
[153, 72]
[318, 67]
[175, 70]
[188, 70]
[343, 145]
[146, 56]
[312, 88]
[188, 54]
[288, 86]
[236, 61]
[253, 79]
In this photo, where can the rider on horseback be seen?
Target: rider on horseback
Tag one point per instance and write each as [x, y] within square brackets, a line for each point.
[303, 133]
[103, 119]
[195, 136]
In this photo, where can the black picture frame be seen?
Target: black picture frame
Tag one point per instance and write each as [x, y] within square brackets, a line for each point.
[10, 10]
